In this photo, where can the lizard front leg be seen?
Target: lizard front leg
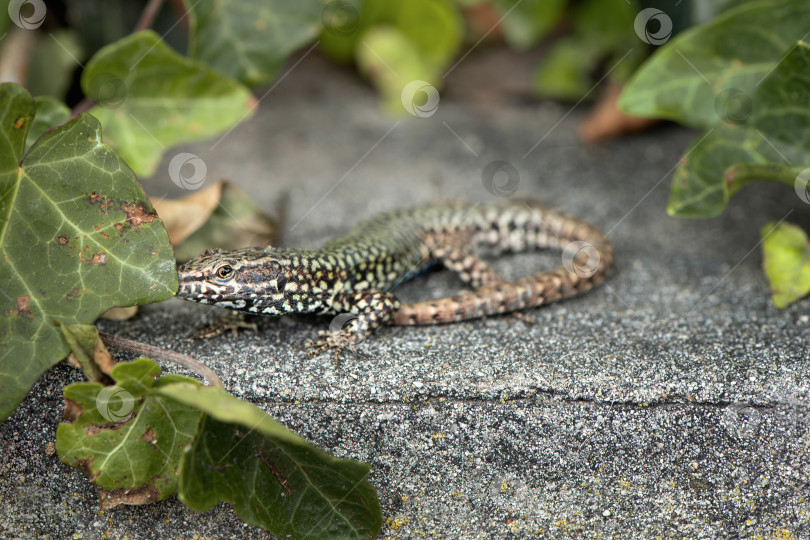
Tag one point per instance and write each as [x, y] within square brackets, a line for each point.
[359, 315]
[232, 321]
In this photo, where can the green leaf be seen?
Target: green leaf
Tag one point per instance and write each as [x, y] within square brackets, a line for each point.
[250, 40]
[685, 80]
[149, 98]
[84, 343]
[772, 144]
[526, 22]
[77, 236]
[434, 27]
[565, 72]
[392, 61]
[599, 41]
[128, 437]
[53, 62]
[717, 165]
[706, 10]
[50, 112]
[398, 43]
[786, 257]
[342, 21]
[604, 26]
[782, 101]
[272, 477]
[5, 22]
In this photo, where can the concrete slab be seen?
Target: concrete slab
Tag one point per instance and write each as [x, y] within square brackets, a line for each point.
[672, 401]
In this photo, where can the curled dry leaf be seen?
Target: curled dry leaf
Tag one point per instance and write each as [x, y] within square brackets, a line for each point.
[483, 21]
[88, 352]
[110, 498]
[220, 216]
[120, 313]
[182, 217]
[606, 121]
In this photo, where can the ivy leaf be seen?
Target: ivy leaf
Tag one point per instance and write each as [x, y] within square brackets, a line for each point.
[687, 79]
[716, 166]
[392, 61]
[250, 40]
[396, 44]
[771, 144]
[88, 351]
[52, 62]
[50, 112]
[565, 72]
[599, 41]
[127, 437]
[149, 98]
[433, 26]
[786, 257]
[342, 22]
[272, 477]
[77, 236]
[526, 22]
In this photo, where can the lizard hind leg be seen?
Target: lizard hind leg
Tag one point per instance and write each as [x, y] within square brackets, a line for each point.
[360, 314]
[453, 252]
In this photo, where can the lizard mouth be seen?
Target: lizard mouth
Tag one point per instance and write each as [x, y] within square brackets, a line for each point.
[195, 288]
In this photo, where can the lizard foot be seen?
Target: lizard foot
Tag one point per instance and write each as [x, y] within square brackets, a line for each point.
[529, 321]
[339, 341]
[232, 320]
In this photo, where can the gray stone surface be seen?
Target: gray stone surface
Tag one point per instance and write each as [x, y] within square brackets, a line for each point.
[672, 401]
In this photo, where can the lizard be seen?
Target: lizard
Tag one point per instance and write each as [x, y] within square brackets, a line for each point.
[352, 276]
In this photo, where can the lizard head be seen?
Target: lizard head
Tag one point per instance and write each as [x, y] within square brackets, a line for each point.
[252, 280]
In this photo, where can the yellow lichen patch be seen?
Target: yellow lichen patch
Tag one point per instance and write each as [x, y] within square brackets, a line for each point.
[396, 522]
[779, 534]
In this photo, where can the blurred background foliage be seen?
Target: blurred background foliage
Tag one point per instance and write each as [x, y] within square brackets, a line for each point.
[390, 43]
[416, 39]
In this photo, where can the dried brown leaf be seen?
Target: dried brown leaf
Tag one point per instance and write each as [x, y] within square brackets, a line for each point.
[606, 121]
[184, 216]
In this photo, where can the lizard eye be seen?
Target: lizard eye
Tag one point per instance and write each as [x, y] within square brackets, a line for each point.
[225, 271]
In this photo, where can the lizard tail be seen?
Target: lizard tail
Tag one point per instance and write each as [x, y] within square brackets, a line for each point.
[586, 255]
